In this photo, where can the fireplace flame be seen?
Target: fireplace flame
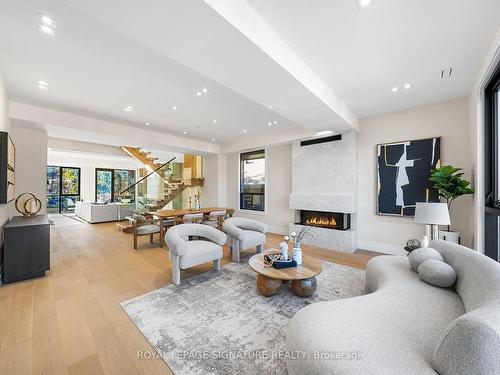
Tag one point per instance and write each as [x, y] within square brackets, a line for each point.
[322, 221]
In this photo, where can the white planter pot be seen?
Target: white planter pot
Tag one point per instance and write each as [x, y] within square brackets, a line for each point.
[449, 236]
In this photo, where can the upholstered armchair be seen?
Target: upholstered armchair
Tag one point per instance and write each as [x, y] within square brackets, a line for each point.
[185, 254]
[245, 233]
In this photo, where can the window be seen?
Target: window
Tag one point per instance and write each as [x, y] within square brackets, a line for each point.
[109, 183]
[253, 180]
[492, 166]
[63, 188]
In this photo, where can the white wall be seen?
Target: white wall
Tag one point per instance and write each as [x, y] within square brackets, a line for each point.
[476, 108]
[215, 184]
[4, 126]
[279, 186]
[449, 120]
[31, 161]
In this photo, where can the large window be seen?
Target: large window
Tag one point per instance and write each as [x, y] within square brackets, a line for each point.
[63, 188]
[110, 183]
[492, 166]
[253, 180]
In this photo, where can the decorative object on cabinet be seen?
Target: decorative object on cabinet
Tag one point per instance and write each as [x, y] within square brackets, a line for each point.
[28, 204]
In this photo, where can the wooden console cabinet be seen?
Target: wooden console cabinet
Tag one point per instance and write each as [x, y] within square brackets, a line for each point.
[26, 252]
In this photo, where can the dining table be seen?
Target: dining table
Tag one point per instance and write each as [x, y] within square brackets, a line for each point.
[178, 214]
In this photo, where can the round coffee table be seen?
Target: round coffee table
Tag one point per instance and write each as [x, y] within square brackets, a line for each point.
[303, 277]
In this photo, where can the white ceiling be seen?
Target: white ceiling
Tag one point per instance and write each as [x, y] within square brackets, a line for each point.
[362, 53]
[155, 54]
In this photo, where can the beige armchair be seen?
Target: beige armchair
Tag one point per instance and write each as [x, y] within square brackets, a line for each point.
[245, 233]
[185, 254]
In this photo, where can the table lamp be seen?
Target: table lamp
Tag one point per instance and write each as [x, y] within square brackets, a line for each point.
[432, 215]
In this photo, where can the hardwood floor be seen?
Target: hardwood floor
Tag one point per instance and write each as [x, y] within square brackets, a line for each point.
[70, 322]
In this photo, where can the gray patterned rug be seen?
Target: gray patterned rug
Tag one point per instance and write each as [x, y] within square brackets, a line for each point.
[218, 323]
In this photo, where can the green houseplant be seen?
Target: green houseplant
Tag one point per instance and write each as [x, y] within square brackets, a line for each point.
[450, 184]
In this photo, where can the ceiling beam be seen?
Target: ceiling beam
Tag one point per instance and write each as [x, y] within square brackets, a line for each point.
[247, 21]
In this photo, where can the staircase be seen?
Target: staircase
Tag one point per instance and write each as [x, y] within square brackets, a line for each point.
[166, 188]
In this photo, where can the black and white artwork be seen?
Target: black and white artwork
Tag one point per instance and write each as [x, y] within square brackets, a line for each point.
[403, 175]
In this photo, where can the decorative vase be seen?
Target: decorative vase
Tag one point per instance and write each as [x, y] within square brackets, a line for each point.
[296, 244]
[284, 250]
[297, 255]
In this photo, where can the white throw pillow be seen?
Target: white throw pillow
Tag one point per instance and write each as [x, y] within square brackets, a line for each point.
[417, 257]
[437, 273]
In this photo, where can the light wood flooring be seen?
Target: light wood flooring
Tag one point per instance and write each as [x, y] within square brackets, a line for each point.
[70, 322]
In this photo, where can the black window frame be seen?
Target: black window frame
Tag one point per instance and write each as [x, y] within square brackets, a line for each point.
[491, 166]
[242, 193]
[61, 195]
[113, 171]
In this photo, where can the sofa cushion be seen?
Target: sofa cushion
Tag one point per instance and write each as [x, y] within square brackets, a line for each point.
[199, 252]
[437, 273]
[396, 327]
[252, 238]
[417, 257]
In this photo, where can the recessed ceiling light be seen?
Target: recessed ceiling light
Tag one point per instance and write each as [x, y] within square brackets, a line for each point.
[407, 86]
[43, 85]
[204, 91]
[199, 93]
[213, 139]
[395, 89]
[47, 30]
[184, 132]
[174, 108]
[128, 108]
[269, 123]
[46, 20]
[46, 24]
[275, 122]
[364, 3]
[244, 131]
[214, 121]
[147, 124]
[324, 132]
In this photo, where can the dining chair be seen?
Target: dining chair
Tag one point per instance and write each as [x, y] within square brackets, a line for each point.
[147, 227]
[215, 219]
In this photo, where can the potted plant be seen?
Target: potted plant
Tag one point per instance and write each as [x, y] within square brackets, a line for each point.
[450, 185]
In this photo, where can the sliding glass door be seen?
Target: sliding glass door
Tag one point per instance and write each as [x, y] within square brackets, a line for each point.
[109, 183]
[63, 188]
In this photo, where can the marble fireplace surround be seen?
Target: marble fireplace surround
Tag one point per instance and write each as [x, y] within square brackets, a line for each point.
[324, 178]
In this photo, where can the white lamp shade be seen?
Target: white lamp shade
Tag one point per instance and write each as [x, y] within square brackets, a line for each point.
[432, 213]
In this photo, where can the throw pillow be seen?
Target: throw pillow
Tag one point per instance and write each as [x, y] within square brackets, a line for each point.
[417, 257]
[437, 273]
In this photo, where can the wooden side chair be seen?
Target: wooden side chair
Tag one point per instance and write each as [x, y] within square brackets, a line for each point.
[216, 219]
[147, 227]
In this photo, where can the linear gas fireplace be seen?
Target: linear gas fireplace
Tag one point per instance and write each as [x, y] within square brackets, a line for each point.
[329, 220]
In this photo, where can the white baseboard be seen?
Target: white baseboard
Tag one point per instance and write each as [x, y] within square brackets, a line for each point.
[381, 247]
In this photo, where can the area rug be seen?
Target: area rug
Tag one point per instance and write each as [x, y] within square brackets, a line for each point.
[218, 323]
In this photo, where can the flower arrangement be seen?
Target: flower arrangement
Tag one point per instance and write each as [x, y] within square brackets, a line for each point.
[297, 237]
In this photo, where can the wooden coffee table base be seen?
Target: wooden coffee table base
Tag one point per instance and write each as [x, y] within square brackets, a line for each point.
[305, 287]
[269, 287]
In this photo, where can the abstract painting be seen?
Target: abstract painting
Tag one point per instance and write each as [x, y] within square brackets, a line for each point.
[403, 175]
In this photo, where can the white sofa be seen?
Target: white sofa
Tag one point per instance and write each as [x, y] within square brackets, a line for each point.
[100, 213]
[405, 326]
